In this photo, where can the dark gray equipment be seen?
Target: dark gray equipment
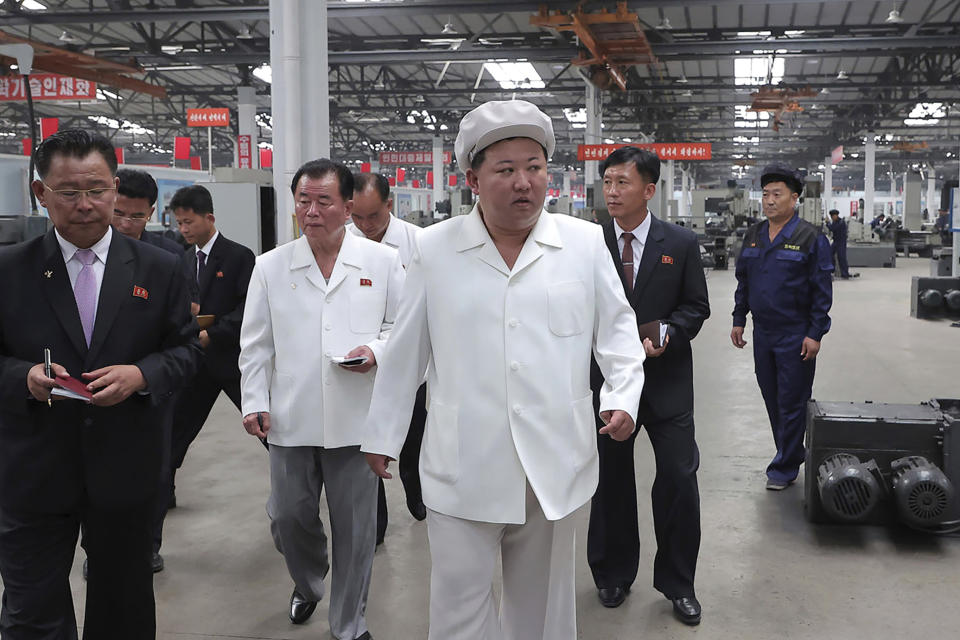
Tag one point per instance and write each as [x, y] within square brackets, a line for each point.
[932, 298]
[922, 491]
[883, 254]
[879, 463]
[849, 489]
[14, 229]
[941, 262]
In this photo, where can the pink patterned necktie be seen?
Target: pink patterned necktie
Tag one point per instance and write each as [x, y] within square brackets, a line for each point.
[85, 291]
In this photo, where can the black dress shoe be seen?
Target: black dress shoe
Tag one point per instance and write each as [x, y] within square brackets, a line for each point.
[300, 608]
[156, 562]
[366, 636]
[687, 610]
[611, 597]
[417, 509]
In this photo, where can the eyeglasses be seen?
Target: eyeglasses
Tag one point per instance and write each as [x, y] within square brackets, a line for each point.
[72, 195]
[136, 217]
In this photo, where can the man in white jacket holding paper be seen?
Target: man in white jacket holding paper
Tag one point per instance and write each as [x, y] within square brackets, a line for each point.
[509, 301]
[326, 296]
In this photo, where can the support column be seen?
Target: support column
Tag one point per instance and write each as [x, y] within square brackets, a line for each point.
[593, 133]
[869, 180]
[956, 234]
[437, 175]
[247, 121]
[301, 110]
[933, 204]
[684, 209]
[827, 184]
[566, 184]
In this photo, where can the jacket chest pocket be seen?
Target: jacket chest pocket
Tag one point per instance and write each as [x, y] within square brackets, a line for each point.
[750, 252]
[366, 310]
[567, 308]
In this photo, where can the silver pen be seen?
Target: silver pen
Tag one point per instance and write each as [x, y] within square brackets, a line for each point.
[47, 370]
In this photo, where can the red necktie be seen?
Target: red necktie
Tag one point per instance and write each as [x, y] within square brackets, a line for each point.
[627, 259]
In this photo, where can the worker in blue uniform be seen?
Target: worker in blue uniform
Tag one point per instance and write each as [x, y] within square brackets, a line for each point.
[784, 278]
[838, 229]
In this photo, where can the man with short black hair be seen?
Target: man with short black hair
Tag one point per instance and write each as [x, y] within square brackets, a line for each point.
[663, 280]
[784, 280]
[136, 202]
[320, 311]
[114, 314]
[221, 268]
[838, 229]
[372, 218]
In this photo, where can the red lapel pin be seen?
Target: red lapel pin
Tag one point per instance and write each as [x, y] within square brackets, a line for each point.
[666, 260]
[219, 274]
[140, 292]
[364, 282]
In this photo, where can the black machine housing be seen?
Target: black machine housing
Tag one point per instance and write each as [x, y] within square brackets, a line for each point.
[935, 297]
[876, 463]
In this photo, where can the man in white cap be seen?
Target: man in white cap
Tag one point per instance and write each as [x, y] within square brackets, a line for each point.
[502, 309]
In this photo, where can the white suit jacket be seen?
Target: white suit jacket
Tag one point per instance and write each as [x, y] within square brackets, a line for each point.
[400, 234]
[294, 322]
[509, 377]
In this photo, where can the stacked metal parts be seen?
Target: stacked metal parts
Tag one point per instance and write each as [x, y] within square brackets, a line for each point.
[879, 463]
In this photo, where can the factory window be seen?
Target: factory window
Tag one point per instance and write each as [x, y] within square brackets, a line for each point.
[515, 75]
[757, 70]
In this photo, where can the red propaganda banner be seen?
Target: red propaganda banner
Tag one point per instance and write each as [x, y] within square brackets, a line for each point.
[195, 163]
[219, 117]
[119, 153]
[392, 181]
[452, 180]
[401, 175]
[48, 127]
[266, 158]
[244, 156]
[27, 147]
[181, 148]
[412, 157]
[365, 167]
[416, 184]
[665, 150]
[836, 156]
[429, 178]
[47, 86]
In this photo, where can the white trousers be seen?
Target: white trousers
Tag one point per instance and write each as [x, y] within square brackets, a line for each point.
[537, 600]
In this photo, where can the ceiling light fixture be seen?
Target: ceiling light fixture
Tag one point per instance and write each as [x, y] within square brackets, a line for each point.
[894, 16]
[682, 79]
[245, 34]
[664, 24]
[66, 37]
[449, 28]
[842, 75]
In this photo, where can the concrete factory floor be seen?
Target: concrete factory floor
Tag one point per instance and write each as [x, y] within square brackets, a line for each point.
[764, 572]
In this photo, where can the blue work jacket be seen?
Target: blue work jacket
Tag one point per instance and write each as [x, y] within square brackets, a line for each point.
[838, 230]
[786, 284]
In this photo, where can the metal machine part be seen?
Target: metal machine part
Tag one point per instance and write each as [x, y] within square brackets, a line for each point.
[14, 229]
[841, 434]
[934, 297]
[921, 489]
[849, 490]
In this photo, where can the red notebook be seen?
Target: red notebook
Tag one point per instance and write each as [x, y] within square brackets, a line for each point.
[72, 388]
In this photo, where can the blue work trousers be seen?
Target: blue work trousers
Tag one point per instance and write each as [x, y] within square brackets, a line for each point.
[840, 257]
[786, 382]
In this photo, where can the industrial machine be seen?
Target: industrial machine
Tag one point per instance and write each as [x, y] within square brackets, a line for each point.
[934, 297]
[880, 463]
[14, 229]
[811, 205]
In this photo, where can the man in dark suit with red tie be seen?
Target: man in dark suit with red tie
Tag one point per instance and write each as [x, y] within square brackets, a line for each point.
[664, 280]
[221, 268]
[114, 314]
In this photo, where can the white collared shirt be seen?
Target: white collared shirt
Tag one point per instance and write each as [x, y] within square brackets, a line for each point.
[638, 242]
[399, 234]
[207, 248]
[73, 264]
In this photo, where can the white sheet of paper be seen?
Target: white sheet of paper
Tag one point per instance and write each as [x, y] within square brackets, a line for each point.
[349, 361]
[663, 333]
[66, 393]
